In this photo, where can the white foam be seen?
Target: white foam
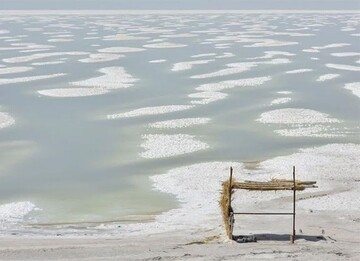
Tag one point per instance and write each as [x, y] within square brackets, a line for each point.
[163, 146]
[29, 78]
[298, 71]
[15, 212]
[335, 45]
[280, 101]
[121, 50]
[346, 54]
[150, 111]
[73, 92]
[18, 69]
[295, 116]
[354, 87]
[327, 77]
[164, 45]
[206, 97]
[101, 57]
[248, 82]
[114, 78]
[182, 66]
[343, 67]
[32, 57]
[5, 121]
[157, 61]
[179, 123]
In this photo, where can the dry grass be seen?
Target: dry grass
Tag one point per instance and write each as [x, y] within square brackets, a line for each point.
[225, 204]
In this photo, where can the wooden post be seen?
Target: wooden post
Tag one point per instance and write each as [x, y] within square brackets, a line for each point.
[231, 215]
[294, 199]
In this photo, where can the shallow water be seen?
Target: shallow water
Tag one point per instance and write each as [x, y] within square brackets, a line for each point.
[66, 157]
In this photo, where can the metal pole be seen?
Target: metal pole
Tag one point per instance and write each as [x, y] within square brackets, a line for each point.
[294, 199]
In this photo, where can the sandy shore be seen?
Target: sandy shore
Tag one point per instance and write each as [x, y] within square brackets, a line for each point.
[324, 236]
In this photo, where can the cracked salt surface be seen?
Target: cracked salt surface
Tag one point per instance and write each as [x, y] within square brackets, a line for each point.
[163, 146]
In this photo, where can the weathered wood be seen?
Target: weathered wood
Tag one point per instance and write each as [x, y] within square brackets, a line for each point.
[294, 204]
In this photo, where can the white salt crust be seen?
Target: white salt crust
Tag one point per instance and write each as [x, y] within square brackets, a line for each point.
[301, 123]
[299, 71]
[157, 61]
[280, 101]
[310, 51]
[327, 77]
[121, 50]
[6, 120]
[201, 198]
[346, 54]
[203, 55]
[18, 69]
[113, 78]
[163, 146]
[182, 66]
[248, 82]
[179, 123]
[354, 87]
[124, 37]
[15, 212]
[101, 57]
[73, 92]
[60, 40]
[29, 78]
[164, 45]
[206, 97]
[225, 55]
[295, 116]
[150, 111]
[32, 57]
[284, 92]
[335, 45]
[48, 63]
[343, 67]
[272, 54]
[270, 43]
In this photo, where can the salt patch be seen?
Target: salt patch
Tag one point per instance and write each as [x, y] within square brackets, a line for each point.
[298, 71]
[121, 50]
[150, 111]
[114, 78]
[335, 45]
[247, 82]
[347, 54]
[281, 101]
[295, 116]
[73, 92]
[101, 57]
[30, 78]
[241, 67]
[271, 54]
[29, 58]
[343, 67]
[270, 43]
[15, 212]
[162, 146]
[354, 87]
[18, 69]
[157, 61]
[284, 92]
[179, 123]
[60, 40]
[206, 97]
[5, 121]
[310, 51]
[47, 63]
[182, 66]
[164, 45]
[327, 77]
[318, 131]
[203, 55]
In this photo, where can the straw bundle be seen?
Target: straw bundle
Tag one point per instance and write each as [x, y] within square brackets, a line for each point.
[225, 204]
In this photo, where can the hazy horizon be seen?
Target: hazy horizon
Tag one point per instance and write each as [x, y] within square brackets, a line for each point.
[179, 5]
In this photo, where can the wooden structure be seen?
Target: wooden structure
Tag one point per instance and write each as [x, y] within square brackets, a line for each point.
[273, 185]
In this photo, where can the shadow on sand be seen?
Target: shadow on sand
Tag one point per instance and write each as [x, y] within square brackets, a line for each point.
[277, 237]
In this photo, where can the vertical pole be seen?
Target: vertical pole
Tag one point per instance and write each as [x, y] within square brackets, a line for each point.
[294, 199]
[231, 216]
